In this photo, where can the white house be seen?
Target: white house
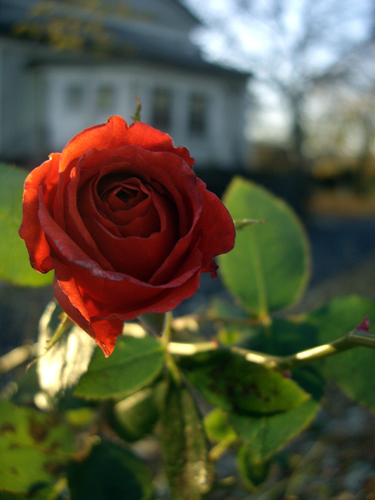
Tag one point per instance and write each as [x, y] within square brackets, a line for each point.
[49, 92]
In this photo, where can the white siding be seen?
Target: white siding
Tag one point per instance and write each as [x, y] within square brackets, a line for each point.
[216, 146]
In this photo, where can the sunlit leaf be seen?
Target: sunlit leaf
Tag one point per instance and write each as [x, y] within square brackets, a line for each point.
[352, 370]
[266, 435]
[34, 447]
[217, 425]
[231, 382]
[134, 364]
[61, 367]
[14, 260]
[40, 493]
[268, 269]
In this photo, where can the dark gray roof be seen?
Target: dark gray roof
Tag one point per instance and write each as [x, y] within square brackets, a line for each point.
[126, 39]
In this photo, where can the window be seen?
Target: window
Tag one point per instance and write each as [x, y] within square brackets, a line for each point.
[105, 98]
[197, 113]
[162, 109]
[74, 96]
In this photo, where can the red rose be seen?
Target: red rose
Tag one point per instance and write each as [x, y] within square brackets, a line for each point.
[125, 223]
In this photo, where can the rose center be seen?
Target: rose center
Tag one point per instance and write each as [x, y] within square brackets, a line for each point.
[125, 194]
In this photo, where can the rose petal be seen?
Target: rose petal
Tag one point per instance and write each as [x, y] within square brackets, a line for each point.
[106, 332]
[127, 299]
[179, 181]
[30, 230]
[126, 225]
[218, 232]
[67, 294]
[76, 229]
[116, 133]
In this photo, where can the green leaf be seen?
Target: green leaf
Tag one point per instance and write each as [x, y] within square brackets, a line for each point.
[352, 370]
[219, 308]
[269, 267]
[155, 322]
[110, 472]
[231, 382]
[14, 260]
[266, 435]
[34, 447]
[134, 417]
[311, 380]
[253, 473]
[43, 493]
[217, 426]
[281, 338]
[184, 445]
[12, 496]
[133, 365]
[60, 368]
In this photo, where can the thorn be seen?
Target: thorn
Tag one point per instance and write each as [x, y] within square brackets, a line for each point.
[364, 325]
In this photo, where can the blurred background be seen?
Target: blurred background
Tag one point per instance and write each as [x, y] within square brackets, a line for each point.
[278, 91]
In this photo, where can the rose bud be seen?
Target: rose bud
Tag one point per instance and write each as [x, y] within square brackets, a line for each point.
[126, 225]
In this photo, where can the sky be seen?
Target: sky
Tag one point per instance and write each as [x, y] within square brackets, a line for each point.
[263, 48]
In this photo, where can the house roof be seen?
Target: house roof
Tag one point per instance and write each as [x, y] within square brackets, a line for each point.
[154, 31]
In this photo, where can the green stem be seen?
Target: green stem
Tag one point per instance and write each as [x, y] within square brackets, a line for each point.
[16, 357]
[167, 333]
[137, 113]
[186, 321]
[241, 223]
[355, 338]
[65, 323]
[218, 450]
[173, 368]
[182, 349]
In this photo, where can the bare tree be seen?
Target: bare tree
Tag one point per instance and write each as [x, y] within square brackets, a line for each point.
[289, 45]
[345, 125]
[74, 24]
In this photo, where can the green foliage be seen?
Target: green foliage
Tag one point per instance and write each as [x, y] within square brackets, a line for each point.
[143, 388]
[253, 472]
[217, 426]
[184, 444]
[134, 364]
[267, 435]
[154, 322]
[353, 369]
[14, 260]
[109, 472]
[231, 382]
[135, 416]
[34, 447]
[43, 493]
[263, 436]
[268, 269]
[282, 337]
